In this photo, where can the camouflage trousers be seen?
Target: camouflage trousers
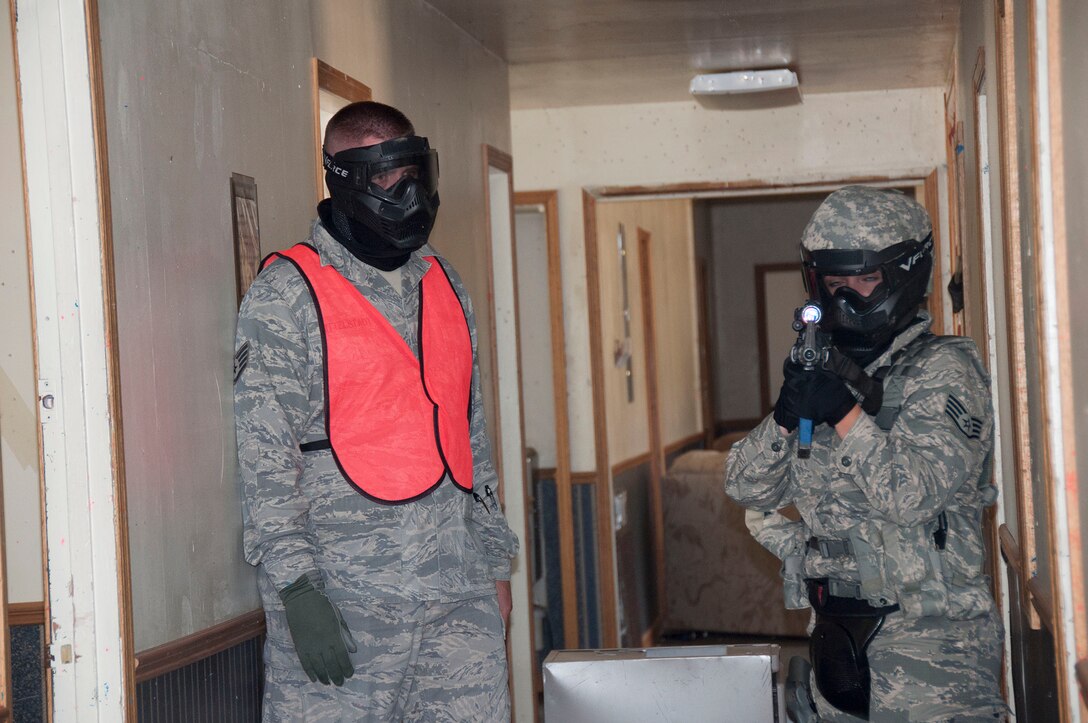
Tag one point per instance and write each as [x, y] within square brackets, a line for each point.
[425, 661]
[934, 670]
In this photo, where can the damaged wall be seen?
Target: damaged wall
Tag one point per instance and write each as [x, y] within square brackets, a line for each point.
[194, 92]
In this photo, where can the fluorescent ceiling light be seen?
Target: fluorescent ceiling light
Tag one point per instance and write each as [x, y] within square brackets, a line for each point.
[743, 81]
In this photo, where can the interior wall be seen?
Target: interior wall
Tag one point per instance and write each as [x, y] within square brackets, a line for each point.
[745, 232]
[670, 225]
[22, 542]
[889, 133]
[194, 92]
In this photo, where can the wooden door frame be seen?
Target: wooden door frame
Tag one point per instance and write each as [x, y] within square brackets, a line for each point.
[653, 407]
[706, 338]
[564, 492]
[493, 158]
[325, 77]
[607, 577]
[926, 182]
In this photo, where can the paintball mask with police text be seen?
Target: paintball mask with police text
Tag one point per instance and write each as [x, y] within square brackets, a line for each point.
[390, 189]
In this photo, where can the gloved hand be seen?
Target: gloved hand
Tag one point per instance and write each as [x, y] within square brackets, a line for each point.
[322, 639]
[818, 395]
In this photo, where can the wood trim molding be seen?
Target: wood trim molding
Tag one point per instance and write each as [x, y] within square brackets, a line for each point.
[673, 447]
[545, 473]
[1010, 549]
[584, 478]
[564, 493]
[711, 187]
[1014, 304]
[932, 203]
[1074, 489]
[1044, 604]
[113, 362]
[340, 83]
[26, 613]
[606, 555]
[165, 658]
[630, 463]
[325, 77]
[653, 407]
[706, 339]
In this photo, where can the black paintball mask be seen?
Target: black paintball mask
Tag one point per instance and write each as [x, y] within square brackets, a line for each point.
[863, 326]
[387, 191]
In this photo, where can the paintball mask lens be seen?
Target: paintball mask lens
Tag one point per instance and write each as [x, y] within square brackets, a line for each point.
[386, 169]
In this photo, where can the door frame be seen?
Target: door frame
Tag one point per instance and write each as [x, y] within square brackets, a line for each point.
[926, 183]
[327, 78]
[657, 449]
[69, 224]
[518, 638]
[564, 492]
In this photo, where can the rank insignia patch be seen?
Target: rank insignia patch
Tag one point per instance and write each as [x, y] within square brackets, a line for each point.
[241, 358]
[957, 411]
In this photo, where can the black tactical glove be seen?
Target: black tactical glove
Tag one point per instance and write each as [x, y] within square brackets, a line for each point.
[818, 395]
[322, 639]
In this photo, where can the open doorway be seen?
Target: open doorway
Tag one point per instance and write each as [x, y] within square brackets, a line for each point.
[750, 244]
[747, 242]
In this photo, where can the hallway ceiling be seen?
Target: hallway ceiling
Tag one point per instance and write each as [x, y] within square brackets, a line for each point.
[581, 52]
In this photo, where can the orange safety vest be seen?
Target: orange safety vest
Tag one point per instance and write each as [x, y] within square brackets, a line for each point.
[397, 425]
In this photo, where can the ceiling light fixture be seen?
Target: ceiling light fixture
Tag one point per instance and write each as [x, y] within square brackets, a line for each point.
[743, 81]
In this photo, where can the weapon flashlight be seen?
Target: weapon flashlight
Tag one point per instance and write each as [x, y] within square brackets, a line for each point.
[810, 351]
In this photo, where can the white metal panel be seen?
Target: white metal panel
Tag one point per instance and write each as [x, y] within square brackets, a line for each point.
[81, 522]
[671, 684]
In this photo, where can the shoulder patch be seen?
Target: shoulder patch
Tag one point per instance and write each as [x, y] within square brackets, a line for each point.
[241, 358]
[957, 411]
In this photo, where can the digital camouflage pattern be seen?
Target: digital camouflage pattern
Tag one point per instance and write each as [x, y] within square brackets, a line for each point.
[883, 491]
[863, 217]
[453, 654]
[299, 513]
[932, 670]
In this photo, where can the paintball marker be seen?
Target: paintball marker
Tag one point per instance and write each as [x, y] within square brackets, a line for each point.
[811, 350]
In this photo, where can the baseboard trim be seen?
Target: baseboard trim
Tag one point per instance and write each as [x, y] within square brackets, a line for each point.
[26, 613]
[629, 464]
[162, 659]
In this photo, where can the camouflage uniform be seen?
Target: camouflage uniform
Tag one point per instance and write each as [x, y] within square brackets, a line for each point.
[415, 582]
[881, 498]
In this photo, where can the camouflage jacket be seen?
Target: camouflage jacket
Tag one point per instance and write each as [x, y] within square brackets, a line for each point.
[891, 494]
[299, 513]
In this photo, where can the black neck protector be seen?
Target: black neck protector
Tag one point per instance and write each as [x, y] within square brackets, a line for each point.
[363, 244]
